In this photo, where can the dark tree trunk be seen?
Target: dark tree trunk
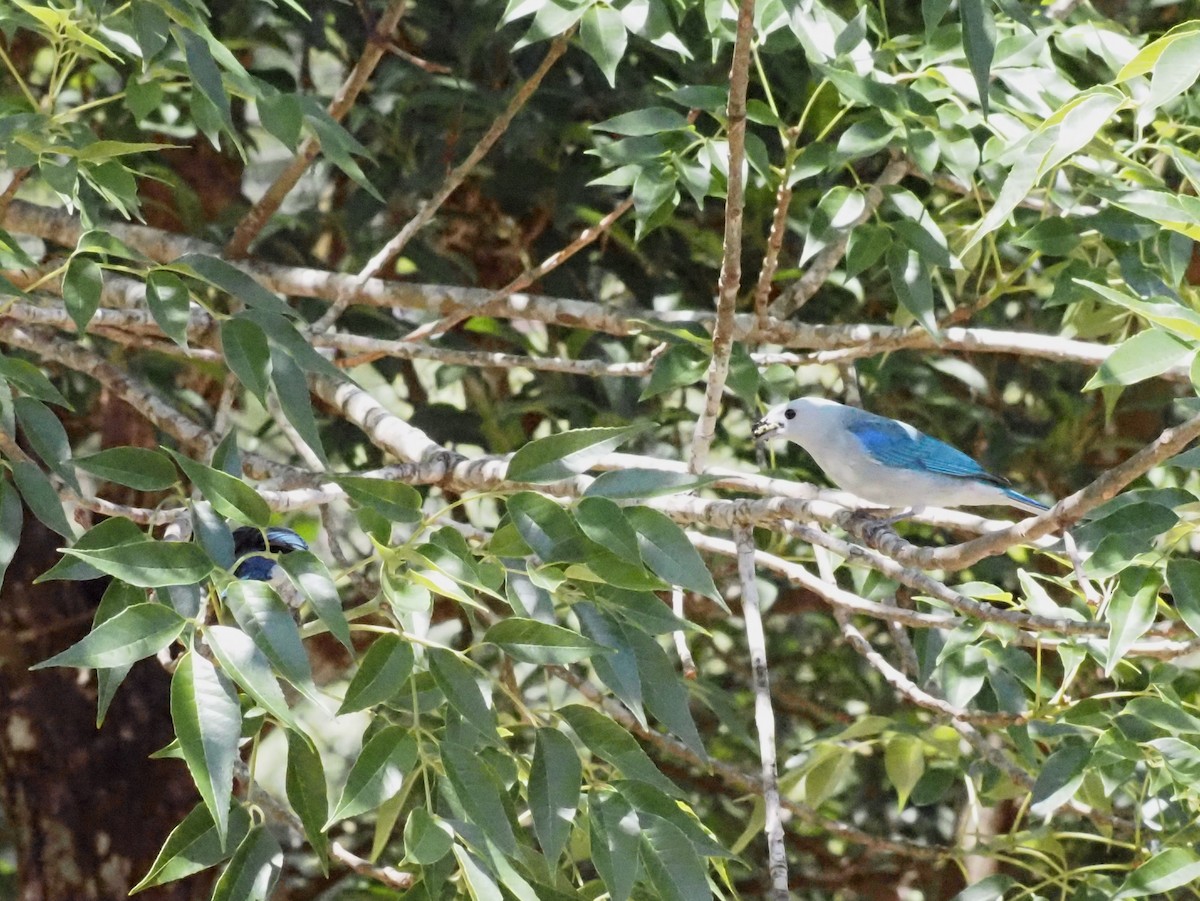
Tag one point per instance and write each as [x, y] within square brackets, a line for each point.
[87, 809]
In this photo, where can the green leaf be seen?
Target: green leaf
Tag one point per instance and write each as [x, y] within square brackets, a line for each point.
[1164, 871]
[248, 355]
[1175, 71]
[979, 42]
[383, 671]
[1060, 777]
[1131, 612]
[205, 74]
[378, 772]
[667, 552]
[674, 868]
[148, 563]
[625, 484]
[82, 285]
[619, 669]
[268, 621]
[135, 467]
[479, 793]
[170, 304]
[1170, 717]
[653, 120]
[568, 453]
[41, 497]
[602, 33]
[47, 437]
[480, 886]
[194, 845]
[614, 829]
[11, 521]
[904, 762]
[253, 870]
[604, 522]
[241, 659]
[546, 527]
[31, 380]
[107, 533]
[680, 366]
[610, 742]
[913, 286]
[1183, 577]
[135, 633]
[663, 691]
[395, 500]
[312, 579]
[230, 496]
[230, 279]
[531, 641]
[1141, 357]
[208, 723]
[305, 786]
[338, 144]
[555, 777]
[459, 684]
[426, 840]
[282, 116]
[991, 889]
[291, 388]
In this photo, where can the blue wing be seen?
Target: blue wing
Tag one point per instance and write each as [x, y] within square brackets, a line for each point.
[278, 540]
[893, 444]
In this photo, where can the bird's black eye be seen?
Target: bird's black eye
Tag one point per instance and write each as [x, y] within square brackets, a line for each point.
[789, 414]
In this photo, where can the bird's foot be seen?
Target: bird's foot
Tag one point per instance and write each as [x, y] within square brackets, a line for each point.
[887, 516]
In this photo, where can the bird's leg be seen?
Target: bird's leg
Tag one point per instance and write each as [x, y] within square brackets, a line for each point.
[887, 516]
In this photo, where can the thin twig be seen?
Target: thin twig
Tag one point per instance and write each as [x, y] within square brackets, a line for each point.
[396, 245]
[681, 646]
[819, 268]
[266, 207]
[731, 260]
[527, 278]
[764, 716]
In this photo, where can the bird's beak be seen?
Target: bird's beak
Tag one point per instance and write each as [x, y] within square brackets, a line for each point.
[764, 428]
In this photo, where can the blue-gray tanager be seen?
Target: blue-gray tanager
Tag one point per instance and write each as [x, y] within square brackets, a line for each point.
[279, 540]
[885, 461]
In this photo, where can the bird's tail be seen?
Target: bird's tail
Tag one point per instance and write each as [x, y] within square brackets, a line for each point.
[1025, 503]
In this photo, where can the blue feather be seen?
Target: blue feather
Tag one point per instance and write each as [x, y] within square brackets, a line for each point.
[890, 443]
[1017, 496]
[278, 541]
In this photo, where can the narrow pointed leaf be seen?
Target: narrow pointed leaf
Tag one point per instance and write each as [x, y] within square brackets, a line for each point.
[568, 453]
[667, 552]
[135, 633]
[378, 773]
[253, 870]
[315, 584]
[479, 792]
[134, 467]
[231, 497]
[268, 621]
[208, 723]
[554, 781]
[384, 669]
[611, 743]
[241, 659]
[194, 845]
[531, 641]
[148, 563]
[306, 792]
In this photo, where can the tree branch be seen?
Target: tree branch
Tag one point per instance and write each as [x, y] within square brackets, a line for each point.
[731, 259]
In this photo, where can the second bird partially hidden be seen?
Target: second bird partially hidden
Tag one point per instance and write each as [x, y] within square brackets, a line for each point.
[885, 461]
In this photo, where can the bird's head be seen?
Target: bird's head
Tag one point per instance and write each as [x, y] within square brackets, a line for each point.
[787, 420]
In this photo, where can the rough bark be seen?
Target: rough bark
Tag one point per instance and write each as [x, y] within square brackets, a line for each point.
[87, 808]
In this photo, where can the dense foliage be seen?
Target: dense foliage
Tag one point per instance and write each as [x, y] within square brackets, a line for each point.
[272, 263]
